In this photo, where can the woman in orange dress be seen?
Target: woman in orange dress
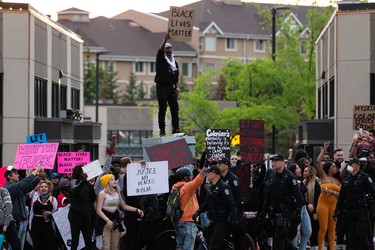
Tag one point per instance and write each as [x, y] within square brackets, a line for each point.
[330, 189]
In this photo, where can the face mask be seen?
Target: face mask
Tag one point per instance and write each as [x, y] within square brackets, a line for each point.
[349, 169]
[233, 164]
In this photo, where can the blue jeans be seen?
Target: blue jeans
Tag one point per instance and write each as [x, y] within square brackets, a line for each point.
[21, 234]
[186, 232]
[305, 228]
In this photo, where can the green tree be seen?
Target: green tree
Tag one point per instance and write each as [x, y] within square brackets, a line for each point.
[140, 91]
[153, 92]
[130, 94]
[182, 84]
[89, 80]
[111, 84]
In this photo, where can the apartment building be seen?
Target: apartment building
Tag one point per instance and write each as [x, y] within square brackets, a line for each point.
[41, 83]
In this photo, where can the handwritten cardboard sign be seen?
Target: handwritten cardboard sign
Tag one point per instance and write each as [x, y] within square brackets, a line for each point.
[150, 178]
[218, 143]
[364, 117]
[29, 156]
[37, 138]
[61, 219]
[66, 161]
[180, 24]
[252, 140]
[177, 153]
[92, 169]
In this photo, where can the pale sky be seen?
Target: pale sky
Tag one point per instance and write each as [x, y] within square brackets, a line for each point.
[110, 8]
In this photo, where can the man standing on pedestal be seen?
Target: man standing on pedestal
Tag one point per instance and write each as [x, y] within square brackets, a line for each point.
[166, 79]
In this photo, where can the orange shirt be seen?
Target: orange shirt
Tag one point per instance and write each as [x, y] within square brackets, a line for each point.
[188, 192]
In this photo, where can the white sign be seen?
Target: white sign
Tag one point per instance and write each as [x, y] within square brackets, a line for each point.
[150, 178]
[92, 169]
[61, 219]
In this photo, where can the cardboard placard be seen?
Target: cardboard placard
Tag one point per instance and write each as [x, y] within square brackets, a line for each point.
[150, 178]
[218, 143]
[252, 141]
[37, 138]
[364, 117]
[61, 219]
[180, 24]
[177, 153]
[28, 156]
[66, 161]
[92, 169]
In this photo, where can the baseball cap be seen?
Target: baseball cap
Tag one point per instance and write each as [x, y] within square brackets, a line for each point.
[277, 157]
[10, 170]
[213, 169]
[353, 160]
[224, 160]
[54, 175]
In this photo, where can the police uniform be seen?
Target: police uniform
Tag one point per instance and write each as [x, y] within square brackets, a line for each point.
[283, 203]
[353, 205]
[222, 210]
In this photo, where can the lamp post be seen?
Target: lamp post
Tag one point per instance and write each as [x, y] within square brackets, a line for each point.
[273, 12]
[98, 53]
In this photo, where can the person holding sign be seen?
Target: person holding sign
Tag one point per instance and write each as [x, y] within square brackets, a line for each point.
[107, 206]
[166, 79]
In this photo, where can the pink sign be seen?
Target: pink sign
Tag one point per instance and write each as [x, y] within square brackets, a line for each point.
[2, 178]
[29, 156]
[68, 160]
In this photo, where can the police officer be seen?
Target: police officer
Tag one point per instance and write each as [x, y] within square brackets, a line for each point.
[234, 182]
[352, 204]
[283, 203]
[221, 208]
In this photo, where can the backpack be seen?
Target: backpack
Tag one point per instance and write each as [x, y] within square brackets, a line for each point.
[174, 211]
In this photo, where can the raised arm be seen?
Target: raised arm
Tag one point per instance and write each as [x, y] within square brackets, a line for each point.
[319, 167]
[163, 43]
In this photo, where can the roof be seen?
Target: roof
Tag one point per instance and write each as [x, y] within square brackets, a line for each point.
[73, 10]
[121, 37]
[245, 20]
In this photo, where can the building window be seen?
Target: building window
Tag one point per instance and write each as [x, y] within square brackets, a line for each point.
[63, 97]
[201, 43]
[152, 67]
[40, 97]
[139, 67]
[210, 66]
[372, 89]
[230, 44]
[75, 99]
[210, 43]
[332, 97]
[325, 101]
[186, 69]
[259, 46]
[129, 137]
[303, 48]
[319, 103]
[55, 99]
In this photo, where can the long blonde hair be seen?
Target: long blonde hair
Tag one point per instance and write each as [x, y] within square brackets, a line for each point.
[108, 189]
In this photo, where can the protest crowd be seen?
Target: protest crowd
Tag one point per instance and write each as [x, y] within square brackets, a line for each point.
[291, 203]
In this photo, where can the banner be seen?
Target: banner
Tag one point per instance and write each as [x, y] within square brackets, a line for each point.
[28, 156]
[180, 24]
[218, 143]
[37, 138]
[252, 141]
[61, 219]
[150, 178]
[243, 172]
[364, 117]
[92, 169]
[66, 161]
[177, 153]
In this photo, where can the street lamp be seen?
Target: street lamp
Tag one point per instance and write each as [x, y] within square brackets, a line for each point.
[273, 12]
[98, 53]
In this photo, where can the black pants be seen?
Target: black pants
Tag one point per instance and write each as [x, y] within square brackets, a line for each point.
[78, 223]
[43, 234]
[167, 96]
[219, 233]
[357, 229]
[284, 234]
[12, 236]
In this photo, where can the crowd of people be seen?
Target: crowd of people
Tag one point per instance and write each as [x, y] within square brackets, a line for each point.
[291, 203]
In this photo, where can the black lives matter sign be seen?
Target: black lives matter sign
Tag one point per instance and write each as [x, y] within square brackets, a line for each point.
[218, 143]
[252, 141]
[180, 24]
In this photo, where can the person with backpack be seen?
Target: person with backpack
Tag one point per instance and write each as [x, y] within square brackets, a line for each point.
[186, 229]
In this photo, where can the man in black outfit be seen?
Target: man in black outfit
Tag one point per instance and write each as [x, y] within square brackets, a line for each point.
[166, 79]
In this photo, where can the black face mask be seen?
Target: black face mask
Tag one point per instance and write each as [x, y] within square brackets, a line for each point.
[363, 165]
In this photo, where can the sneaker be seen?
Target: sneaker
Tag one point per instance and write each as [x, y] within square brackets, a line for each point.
[162, 133]
[176, 131]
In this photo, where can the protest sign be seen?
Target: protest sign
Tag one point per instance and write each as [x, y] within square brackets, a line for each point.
[177, 153]
[149, 178]
[37, 138]
[61, 219]
[29, 156]
[66, 161]
[243, 172]
[180, 24]
[92, 169]
[364, 117]
[218, 143]
[252, 141]
[2, 178]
